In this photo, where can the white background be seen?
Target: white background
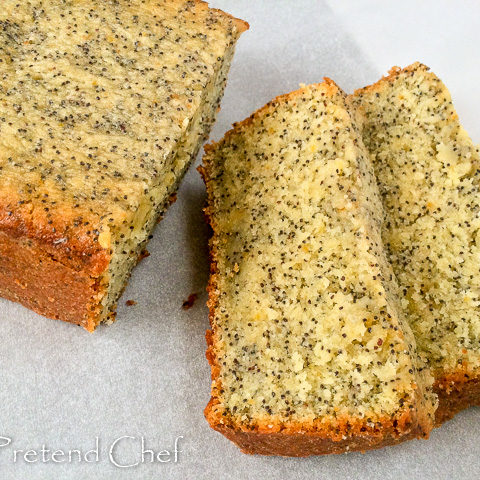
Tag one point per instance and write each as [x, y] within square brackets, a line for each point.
[147, 374]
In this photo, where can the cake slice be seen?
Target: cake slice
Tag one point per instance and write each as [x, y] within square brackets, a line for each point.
[309, 350]
[104, 104]
[428, 172]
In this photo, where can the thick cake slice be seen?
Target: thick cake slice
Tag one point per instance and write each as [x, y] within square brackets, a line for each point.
[309, 351]
[103, 106]
[428, 171]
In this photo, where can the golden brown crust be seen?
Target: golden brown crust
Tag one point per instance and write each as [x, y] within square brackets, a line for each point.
[322, 436]
[456, 392]
[31, 276]
[304, 444]
[71, 237]
[51, 262]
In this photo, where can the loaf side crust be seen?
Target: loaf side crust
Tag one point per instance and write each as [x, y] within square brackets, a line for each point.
[38, 281]
[51, 262]
[305, 443]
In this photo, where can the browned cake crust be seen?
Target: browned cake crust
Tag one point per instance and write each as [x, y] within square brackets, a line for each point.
[307, 443]
[455, 393]
[49, 263]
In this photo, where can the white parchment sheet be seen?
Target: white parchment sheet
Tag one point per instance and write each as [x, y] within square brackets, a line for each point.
[146, 376]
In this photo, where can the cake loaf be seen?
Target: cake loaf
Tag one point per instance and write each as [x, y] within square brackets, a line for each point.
[104, 104]
[428, 172]
[309, 351]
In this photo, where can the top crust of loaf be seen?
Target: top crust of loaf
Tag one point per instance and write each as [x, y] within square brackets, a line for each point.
[415, 420]
[393, 74]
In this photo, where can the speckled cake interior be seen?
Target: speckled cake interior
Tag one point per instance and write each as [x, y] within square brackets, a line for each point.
[428, 173]
[307, 326]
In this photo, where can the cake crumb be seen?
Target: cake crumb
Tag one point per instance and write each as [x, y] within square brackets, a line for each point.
[130, 303]
[144, 254]
[188, 304]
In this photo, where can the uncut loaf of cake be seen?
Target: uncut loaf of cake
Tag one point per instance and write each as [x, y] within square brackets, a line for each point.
[309, 351]
[103, 105]
[428, 172]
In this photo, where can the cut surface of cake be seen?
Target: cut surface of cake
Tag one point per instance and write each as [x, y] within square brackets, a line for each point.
[428, 173]
[104, 104]
[309, 350]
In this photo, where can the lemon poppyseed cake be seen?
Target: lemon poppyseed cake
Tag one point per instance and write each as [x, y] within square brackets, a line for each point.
[103, 106]
[428, 172]
[308, 348]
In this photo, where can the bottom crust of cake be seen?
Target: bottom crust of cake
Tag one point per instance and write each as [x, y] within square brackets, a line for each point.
[303, 444]
[456, 393]
[314, 442]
